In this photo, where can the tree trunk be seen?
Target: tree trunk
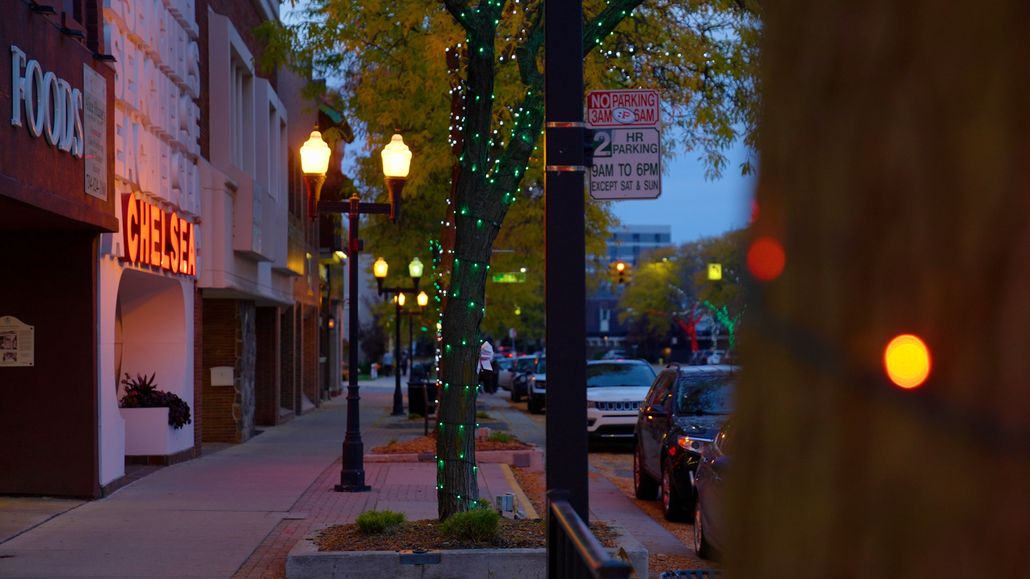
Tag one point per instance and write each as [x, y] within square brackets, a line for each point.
[894, 155]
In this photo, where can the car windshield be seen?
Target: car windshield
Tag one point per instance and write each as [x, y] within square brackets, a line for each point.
[503, 363]
[541, 368]
[525, 364]
[615, 375]
[704, 394]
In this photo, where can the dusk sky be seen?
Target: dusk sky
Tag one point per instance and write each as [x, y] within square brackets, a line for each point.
[693, 206]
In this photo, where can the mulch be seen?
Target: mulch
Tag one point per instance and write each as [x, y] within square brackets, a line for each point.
[424, 444]
[426, 534]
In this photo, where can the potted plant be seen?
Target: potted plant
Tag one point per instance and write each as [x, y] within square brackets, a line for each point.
[154, 419]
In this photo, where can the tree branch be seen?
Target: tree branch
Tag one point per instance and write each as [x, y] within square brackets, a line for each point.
[600, 26]
[460, 12]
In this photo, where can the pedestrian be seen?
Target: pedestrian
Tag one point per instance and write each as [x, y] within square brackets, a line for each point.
[375, 370]
[388, 364]
[486, 368]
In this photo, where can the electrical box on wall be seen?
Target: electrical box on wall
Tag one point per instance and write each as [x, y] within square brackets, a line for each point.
[222, 376]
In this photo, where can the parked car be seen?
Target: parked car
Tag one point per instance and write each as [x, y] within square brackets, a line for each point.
[680, 417]
[537, 388]
[614, 354]
[709, 480]
[503, 367]
[615, 391]
[524, 367]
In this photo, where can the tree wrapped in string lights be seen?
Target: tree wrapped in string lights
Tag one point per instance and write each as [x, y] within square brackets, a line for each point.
[477, 130]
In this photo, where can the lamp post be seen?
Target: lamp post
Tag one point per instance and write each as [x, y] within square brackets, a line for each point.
[379, 270]
[422, 299]
[315, 163]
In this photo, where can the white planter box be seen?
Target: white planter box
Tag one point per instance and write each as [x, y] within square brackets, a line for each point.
[147, 433]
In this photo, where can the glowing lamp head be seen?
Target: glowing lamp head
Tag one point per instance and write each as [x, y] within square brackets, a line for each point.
[422, 299]
[396, 158]
[620, 266]
[380, 268]
[907, 361]
[400, 299]
[415, 268]
[314, 155]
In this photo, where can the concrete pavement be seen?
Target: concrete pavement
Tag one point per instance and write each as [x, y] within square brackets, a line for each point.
[237, 512]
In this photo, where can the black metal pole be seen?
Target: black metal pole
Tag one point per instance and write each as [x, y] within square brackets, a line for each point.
[565, 291]
[398, 399]
[411, 346]
[352, 472]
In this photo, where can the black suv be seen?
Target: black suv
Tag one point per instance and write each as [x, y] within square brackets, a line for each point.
[681, 415]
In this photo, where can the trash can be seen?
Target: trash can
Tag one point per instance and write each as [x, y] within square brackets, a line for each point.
[421, 397]
[421, 392]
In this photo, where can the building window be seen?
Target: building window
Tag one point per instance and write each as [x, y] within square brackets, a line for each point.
[239, 105]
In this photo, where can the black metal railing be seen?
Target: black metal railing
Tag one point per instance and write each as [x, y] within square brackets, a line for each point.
[573, 552]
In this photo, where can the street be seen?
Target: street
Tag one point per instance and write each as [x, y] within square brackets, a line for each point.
[614, 462]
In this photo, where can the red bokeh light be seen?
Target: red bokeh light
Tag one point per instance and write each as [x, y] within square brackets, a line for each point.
[766, 259]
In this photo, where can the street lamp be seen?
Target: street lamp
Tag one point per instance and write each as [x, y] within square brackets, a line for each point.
[379, 270]
[422, 299]
[315, 155]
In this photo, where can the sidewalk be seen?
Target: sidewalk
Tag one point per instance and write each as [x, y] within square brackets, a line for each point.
[238, 512]
[205, 517]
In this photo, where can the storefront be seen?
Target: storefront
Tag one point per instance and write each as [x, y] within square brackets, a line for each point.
[56, 201]
[147, 271]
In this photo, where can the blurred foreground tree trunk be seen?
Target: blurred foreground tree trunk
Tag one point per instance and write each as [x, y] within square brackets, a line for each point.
[895, 169]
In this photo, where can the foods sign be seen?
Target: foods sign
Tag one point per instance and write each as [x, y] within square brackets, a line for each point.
[627, 145]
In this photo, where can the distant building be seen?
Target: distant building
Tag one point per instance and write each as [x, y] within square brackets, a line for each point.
[627, 243]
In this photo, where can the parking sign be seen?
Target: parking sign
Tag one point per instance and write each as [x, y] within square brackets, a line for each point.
[627, 144]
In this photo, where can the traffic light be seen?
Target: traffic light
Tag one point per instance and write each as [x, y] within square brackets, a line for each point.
[620, 272]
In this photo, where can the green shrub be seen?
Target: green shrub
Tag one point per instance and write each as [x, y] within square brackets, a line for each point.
[479, 524]
[500, 437]
[375, 522]
[482, 414]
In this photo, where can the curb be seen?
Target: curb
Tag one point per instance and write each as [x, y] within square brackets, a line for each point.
[305, 561]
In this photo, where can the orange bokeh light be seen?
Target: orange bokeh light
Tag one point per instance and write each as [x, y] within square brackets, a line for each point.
[766, 259]
[907, 361]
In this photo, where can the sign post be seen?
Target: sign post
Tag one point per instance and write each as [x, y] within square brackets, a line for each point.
[627, 144]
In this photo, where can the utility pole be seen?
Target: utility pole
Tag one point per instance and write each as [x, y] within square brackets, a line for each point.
[565, 291]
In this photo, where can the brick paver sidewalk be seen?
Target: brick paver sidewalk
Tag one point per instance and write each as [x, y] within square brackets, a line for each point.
[406, 487]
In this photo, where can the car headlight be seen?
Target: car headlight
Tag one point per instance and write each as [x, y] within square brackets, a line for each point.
[692, 443]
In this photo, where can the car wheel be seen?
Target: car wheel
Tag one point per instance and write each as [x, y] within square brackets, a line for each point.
[644, 487]
[701, 546]
[674, 505]
[536, 406]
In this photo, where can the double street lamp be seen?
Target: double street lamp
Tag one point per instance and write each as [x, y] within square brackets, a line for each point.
[314, 158]
[415, 269]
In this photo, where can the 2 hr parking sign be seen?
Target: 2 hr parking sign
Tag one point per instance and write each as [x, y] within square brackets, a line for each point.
[627, 144]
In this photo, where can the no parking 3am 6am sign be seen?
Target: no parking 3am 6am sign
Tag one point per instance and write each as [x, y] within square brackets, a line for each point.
[627, 159]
